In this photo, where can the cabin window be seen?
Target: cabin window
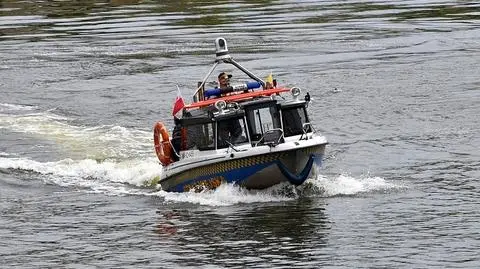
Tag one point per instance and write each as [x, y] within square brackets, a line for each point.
[231, 131]
[261, 120]
[293, 120]
[199, 136]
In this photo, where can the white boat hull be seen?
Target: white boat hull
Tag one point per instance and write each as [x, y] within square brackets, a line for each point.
[251, 167]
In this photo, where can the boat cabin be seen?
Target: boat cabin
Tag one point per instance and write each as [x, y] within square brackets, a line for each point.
[238, 114]
[256, 122]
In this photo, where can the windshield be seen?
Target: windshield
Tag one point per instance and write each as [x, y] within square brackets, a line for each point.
[231, 131]
[199, 136]
[293, 120]
[261, 120]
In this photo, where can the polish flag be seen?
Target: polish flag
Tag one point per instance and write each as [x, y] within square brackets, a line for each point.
[179, 103]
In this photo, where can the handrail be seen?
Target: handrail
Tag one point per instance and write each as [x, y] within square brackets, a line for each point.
[304, 129]
[271, 143]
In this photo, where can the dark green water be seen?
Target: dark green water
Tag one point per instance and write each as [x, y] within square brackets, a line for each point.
[395, 88]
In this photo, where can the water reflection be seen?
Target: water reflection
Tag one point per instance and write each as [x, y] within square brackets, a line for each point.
[291, 231]
[59, 18]
[167, 225]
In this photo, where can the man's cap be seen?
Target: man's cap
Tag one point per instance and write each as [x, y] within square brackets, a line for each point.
[223, 74]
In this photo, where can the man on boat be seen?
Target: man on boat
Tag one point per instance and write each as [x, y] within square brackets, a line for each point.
[224, 80]
[230, 132]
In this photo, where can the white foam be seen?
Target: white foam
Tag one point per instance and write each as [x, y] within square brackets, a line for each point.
[4, 154]
[348, 185]
[120, 178]
[320, 187]
[35, 123]
[225, 195]
[15, 107]
[100, 158]
[69, 172]
[110, 177]
[98, 142]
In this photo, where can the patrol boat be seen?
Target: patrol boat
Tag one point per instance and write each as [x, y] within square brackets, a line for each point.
[249, 134]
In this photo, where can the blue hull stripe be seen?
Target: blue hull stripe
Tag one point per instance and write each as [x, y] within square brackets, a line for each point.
[232, 176]
[239, 175]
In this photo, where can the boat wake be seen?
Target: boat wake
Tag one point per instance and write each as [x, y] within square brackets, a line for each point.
[46, 146]
[319, 187]
[110, 172]
[137, 178]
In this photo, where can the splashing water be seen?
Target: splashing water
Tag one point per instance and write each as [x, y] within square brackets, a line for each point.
[94, 165]
[323, 187]
[15, 107]
[130, 178]
[94, 155]
[98, 142]
[348, 185]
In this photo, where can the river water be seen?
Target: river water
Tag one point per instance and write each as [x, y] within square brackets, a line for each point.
[395, 88]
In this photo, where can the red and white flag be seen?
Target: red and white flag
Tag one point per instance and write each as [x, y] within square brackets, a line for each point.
[179, 103]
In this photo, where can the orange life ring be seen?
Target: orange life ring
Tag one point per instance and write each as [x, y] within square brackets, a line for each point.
[163, 147]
